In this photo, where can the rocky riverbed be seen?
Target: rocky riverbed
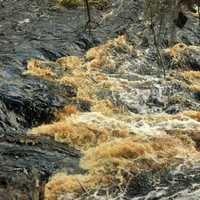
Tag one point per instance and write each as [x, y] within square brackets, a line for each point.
[87, 115]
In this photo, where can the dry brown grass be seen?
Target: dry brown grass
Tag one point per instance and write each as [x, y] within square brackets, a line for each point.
[101, 57]
[84, 75]
[69, 80]
[69, 3]
[177, 51]
[136, 154]
[66, 112]
[78, 134]
[61, 184]
[76, 3]
[34, 68]
[193, 114]
[106, 107]
[90, 129]
[107, 163]
[196, 14]
[98, 57]
[70, 62]
[190, 75]
[83, 81]
[195, 88]
[109, 138]
[192, 78]
[158, 118]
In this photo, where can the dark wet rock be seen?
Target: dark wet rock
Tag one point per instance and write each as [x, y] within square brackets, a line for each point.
[32, 101]
[173, 109]
[53, 66]
[27, 162]
[175, 184]
[191, 58]
[9, 120]
[196, 95]
[189, 35]
[172, 32]
[181, 20]
[186, 57]
[83, 105]
[37, 29]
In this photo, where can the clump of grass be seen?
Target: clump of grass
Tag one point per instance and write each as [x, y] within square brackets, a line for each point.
[110, 140]
[69, 62]
[106, 107]
[34, 68]
[66, 112]
[79, 135]
[135, 154]
[69, 80]
[108, 163]
[76, 3]
[101, 57]
[101, 3]
[69, 3]
[192, 78]
[84, 73]
[193, 114]
[75, 129]
[177, 51]
[62, 185]
[191, 75]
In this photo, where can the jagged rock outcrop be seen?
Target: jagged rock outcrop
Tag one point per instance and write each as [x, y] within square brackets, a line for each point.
[111, 92]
